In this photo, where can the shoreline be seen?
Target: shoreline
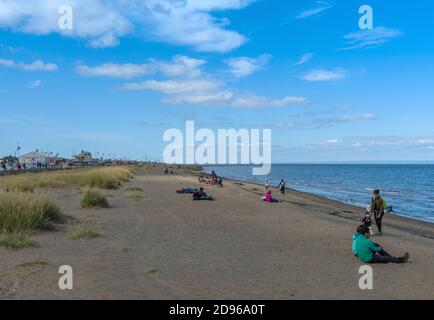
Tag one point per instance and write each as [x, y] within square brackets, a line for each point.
[354, 206]
[356, 211]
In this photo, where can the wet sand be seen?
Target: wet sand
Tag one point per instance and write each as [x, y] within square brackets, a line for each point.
[167, 246]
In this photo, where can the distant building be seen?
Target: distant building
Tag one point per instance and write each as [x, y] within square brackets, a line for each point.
[43, 159]
[36, 157]
[9, 159]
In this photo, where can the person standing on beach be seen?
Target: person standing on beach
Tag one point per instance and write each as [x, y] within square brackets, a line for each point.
[282, 187]
[377, 208]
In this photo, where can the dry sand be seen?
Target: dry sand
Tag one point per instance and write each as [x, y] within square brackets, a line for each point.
[236, 247]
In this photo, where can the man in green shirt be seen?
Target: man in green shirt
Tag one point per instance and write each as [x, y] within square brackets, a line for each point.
[369, 252]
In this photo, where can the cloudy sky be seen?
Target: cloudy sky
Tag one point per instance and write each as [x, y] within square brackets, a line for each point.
[129, 70]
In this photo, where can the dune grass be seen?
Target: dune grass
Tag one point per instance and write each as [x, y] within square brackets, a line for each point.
[85, 233]
[17, 241]
[25, 212]
[94, 199]
[134, 189]
[136, 196]
[32, 264]
[103, 178]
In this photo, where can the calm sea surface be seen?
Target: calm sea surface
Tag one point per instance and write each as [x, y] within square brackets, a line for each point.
[408, 188]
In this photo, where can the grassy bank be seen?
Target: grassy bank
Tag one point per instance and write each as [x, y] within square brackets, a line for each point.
[104, 178]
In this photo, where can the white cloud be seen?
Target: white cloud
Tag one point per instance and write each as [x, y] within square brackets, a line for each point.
[325, 75]
[206, 98]
[190, 23]
[322, 6]
[209, 92]
[325, 123]
[244, 66]
[102, 23]
[35, 84]
[305, 58]
[190, 86]
[180, 66]
[172, 87]
[370, 38]
[112, 70]
[370, 142]
[263, 102]
[37, 65]
[356, 117]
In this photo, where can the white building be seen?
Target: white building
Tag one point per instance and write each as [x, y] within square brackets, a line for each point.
[35, 157]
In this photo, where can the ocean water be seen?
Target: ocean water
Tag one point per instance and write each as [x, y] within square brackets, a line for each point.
[408, 188]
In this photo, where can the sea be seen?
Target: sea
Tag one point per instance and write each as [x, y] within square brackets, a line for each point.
[408, 188]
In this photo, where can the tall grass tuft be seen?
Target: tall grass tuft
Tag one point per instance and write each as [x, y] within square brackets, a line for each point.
[23, 212]
[94, 198]
[83, 232]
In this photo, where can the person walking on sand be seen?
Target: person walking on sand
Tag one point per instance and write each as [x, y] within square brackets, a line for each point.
[282, 187]
[369, 252]
[377, 208]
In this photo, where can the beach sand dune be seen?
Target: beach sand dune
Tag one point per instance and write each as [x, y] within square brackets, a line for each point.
[167, 246]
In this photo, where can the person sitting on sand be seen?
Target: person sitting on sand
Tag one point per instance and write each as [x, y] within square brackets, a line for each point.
[368, 252]
[354, 238]
[378, 205]
[201, 195]
[185, 190]
[200, 179]
[268, 197]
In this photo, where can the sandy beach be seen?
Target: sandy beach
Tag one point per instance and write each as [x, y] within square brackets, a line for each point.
[166, 246]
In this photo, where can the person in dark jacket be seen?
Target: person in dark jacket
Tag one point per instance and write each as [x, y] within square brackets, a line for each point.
[201, 195]
[282, 187]
[378, 205]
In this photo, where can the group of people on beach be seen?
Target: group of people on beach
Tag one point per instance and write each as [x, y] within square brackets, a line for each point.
[199, 193]
[268, 196]
[167, 171]
[362, 246]
[213, 180]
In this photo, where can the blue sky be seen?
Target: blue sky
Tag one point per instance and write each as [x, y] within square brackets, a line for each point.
[129, 70]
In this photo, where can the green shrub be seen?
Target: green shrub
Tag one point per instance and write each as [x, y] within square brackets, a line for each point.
[17, 241]
[85, 233]
[94, 198]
